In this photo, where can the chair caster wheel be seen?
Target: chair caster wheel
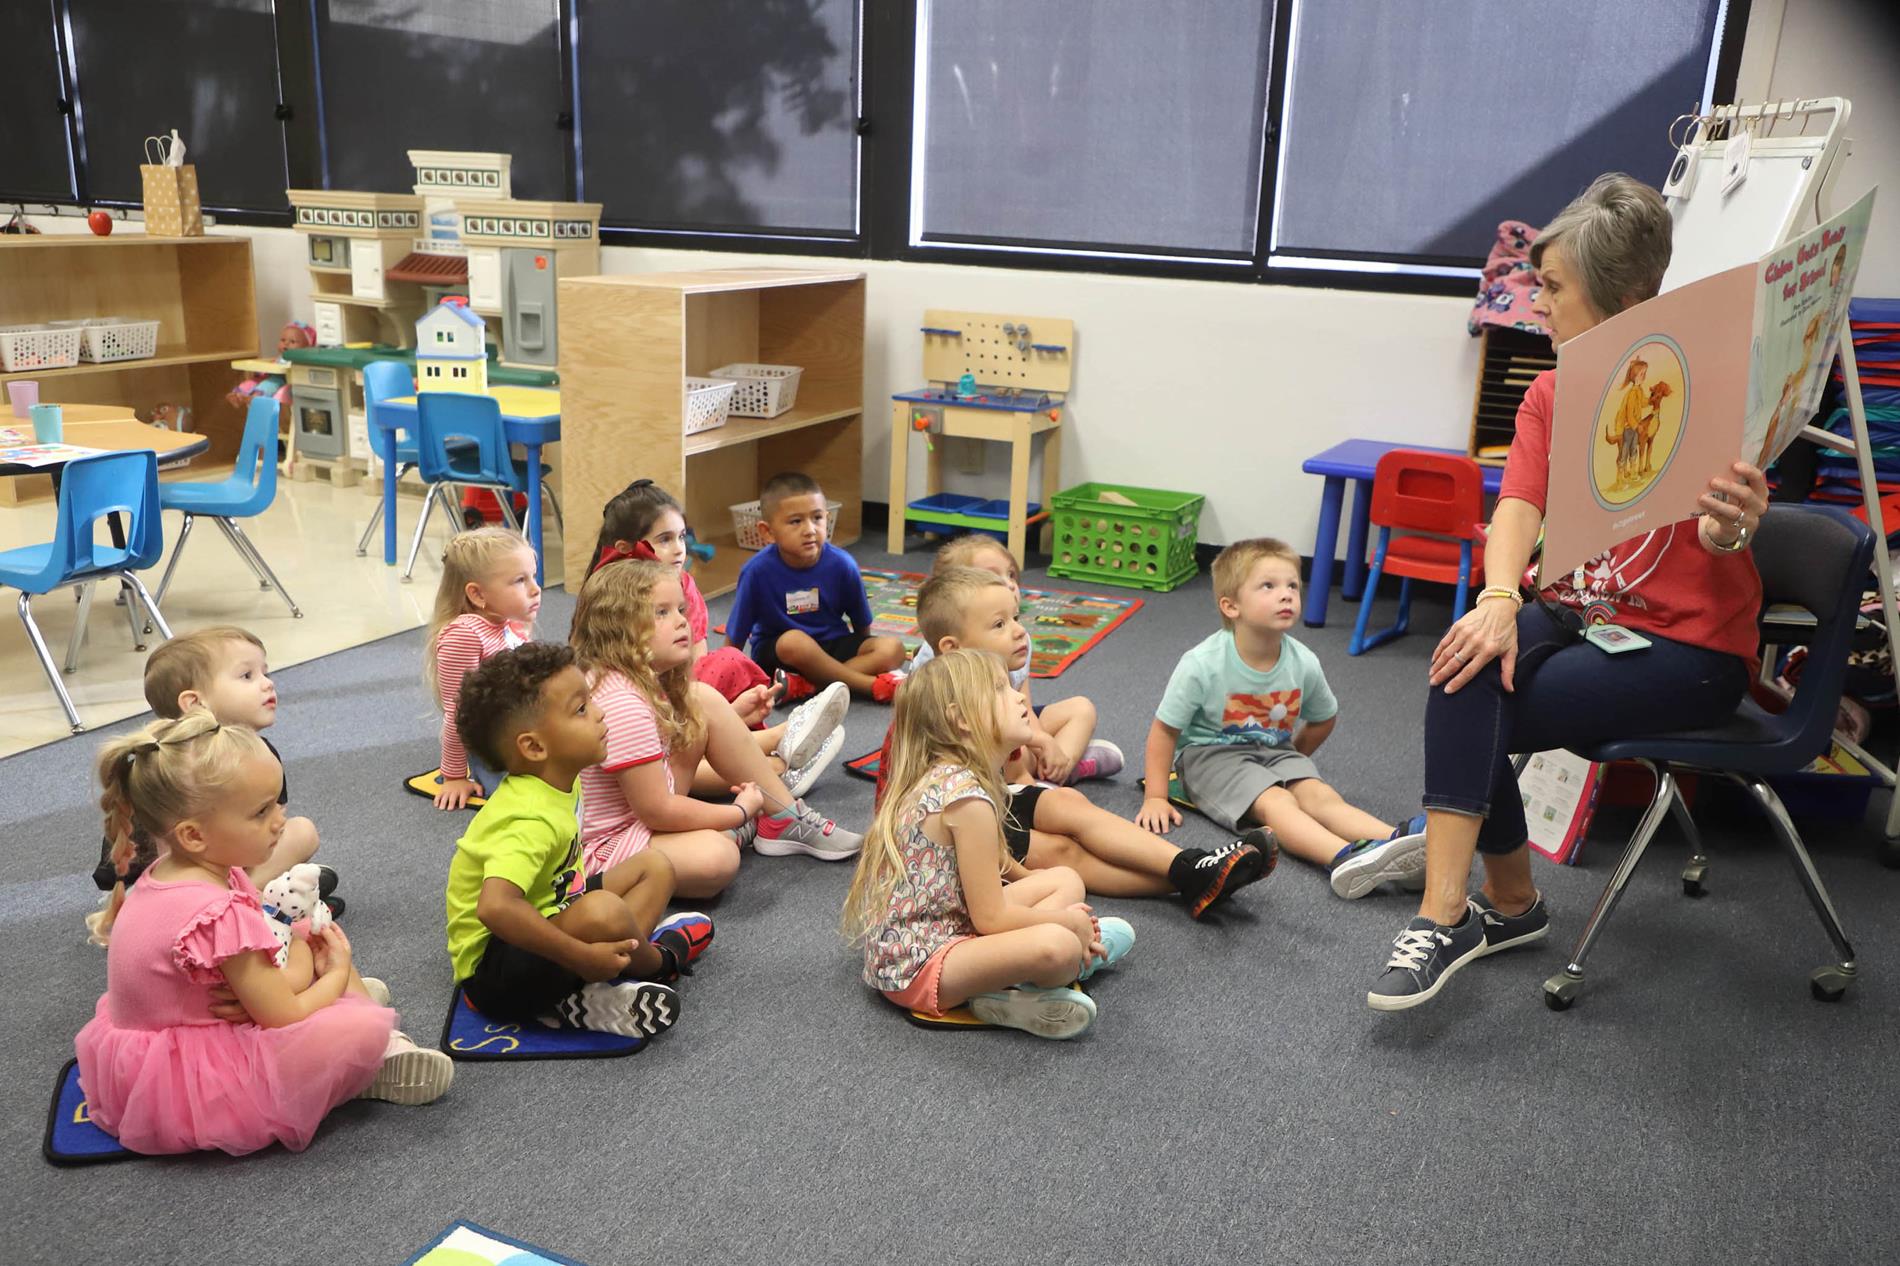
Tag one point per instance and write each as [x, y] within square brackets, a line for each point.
[1693, 887]
[1829, 984]
[1560, 991]
[1890, 853]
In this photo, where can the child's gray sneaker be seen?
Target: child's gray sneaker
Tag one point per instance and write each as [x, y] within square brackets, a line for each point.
[1423, 958]
[805, 830]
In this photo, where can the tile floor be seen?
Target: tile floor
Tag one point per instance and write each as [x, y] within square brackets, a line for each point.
[309, 538]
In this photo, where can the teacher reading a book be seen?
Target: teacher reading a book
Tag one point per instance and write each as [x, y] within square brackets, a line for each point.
[1651, 636]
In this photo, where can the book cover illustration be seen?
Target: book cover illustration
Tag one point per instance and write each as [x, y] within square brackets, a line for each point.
[1663, 396]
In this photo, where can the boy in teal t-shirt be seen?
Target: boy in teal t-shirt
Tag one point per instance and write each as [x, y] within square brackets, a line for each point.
[1240, 720]
[530, 941]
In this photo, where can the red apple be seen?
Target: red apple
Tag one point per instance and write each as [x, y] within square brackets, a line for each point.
[100, 222]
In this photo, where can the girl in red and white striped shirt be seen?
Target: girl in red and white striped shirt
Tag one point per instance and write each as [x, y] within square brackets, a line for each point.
[631, 627]
[487, 603]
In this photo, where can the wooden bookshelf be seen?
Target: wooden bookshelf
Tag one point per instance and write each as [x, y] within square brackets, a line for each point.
[628, 342]
[200, 291]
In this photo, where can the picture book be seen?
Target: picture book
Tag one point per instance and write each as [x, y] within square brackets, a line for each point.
[1661, 397]
[1559, 789]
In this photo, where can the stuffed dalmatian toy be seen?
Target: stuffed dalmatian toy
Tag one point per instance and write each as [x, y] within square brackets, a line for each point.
[290, 897]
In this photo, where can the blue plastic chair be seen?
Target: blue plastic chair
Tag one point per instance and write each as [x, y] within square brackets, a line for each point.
[461, 444]
[386, 380]
[248, 492]
[1813, 557]
[91, 488]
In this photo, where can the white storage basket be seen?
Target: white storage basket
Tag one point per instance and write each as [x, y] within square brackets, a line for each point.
[748, 526]
[765, 391]
[24, 347]
[707, 402]
[114, 338]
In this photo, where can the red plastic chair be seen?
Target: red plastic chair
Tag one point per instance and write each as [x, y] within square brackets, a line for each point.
[1436, 494]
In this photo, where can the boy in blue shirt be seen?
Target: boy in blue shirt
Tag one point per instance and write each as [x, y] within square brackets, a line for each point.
[1242, 716]
[801, 603]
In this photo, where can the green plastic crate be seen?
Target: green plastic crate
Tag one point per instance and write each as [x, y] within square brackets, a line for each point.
[1149, 545]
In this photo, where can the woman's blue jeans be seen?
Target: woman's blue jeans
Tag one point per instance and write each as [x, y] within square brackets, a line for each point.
[1568, 694]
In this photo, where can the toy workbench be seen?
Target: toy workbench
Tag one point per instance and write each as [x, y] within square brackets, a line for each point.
[990, 377]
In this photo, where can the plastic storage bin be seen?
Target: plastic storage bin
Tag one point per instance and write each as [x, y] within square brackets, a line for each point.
[764, 391]
[1146, 545]
[708, 400]
[748, 527]
[37, 347]
[950, 512]
[109, 338]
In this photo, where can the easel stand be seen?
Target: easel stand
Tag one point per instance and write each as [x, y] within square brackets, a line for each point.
[1788, 171]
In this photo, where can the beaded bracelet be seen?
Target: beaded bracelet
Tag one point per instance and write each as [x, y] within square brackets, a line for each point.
[1501, 591]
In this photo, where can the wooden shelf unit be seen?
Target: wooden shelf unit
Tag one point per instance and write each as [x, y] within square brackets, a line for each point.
[628, 342]
[199, 289]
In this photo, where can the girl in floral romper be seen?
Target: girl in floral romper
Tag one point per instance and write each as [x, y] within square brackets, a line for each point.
[944, 914]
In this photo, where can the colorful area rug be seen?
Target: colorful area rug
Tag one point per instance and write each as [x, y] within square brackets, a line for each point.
[466, 1244]
[1062, 625]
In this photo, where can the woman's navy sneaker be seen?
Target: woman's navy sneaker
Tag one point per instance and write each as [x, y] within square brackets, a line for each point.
[1423, 958]
[1504, 931]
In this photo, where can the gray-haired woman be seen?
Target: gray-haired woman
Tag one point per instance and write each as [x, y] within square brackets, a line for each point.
[1515, 676]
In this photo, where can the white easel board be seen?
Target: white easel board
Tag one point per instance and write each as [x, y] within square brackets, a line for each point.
[1780, 196]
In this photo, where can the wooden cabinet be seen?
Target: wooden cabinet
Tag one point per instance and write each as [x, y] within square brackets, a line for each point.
[628, 343]
[199, 290]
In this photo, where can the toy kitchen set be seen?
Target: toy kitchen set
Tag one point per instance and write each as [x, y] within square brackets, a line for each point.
[379, 261]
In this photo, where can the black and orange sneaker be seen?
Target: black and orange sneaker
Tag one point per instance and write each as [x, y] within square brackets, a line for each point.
[1203, 878]
[796, 688]
[884, 686]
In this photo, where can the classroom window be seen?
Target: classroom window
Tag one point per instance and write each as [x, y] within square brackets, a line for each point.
[479, 75]
[30, 91]
[1406, 140]
[1103, 126]
[720, 115]
[205, 67]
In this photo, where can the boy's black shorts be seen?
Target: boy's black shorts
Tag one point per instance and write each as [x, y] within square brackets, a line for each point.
[839, 648]
[518, 986]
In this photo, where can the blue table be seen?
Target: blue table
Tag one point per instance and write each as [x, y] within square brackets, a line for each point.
[530, 417]
[1357, 460]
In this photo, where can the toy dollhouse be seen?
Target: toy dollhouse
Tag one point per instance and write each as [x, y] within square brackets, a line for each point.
[451, 349]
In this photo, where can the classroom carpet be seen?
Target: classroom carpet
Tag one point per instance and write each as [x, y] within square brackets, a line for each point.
[1236, 1100]
[1063, 625]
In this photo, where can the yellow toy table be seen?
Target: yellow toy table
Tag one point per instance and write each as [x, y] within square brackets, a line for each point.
[1024, 367]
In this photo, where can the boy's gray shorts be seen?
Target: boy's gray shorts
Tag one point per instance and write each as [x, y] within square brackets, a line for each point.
[1223, 780]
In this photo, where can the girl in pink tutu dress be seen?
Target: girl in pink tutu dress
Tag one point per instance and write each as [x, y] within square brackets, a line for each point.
[161, 1073]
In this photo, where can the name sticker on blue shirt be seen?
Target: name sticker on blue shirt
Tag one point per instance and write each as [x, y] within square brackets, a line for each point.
[801, 601]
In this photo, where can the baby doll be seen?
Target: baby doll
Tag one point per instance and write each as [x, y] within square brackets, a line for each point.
[275, 386]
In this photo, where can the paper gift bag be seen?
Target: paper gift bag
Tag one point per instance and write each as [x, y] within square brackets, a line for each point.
[171, 201]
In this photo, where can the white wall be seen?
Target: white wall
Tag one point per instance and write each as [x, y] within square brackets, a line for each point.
[1224, 388]
[1845, 48]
